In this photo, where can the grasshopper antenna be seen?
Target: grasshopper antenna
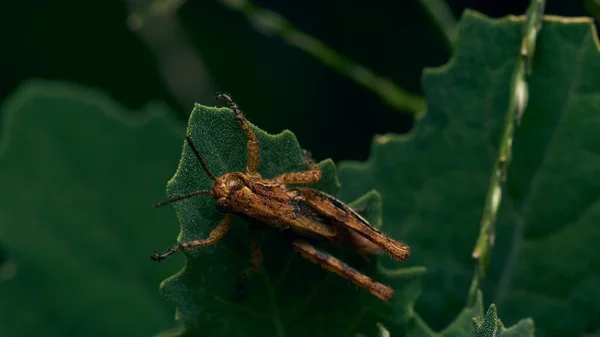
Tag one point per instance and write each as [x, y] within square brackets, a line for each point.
[181, 197]
[195, 193]
[200, 159]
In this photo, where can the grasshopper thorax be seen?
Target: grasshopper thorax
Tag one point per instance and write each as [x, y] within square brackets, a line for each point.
[231, 192]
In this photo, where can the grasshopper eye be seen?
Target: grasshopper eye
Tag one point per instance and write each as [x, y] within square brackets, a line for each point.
[234, 183]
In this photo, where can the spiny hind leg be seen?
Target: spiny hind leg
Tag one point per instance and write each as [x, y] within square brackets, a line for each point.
[339, 213]
[252, 144]
[362, 245]
[338, 267]
[365, 248]
[215, 235]
[312, 175]
[256, 261]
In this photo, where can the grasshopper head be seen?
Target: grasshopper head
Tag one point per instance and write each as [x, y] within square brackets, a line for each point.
[231, 192]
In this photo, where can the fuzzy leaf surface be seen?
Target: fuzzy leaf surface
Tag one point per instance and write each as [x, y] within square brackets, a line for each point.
[491, 326]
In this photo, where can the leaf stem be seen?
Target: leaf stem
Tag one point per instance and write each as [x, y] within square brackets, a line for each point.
[141, 13]
[273, 23]
[516, 107]
[442, 16]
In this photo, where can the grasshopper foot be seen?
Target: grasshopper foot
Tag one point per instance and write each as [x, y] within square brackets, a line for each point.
[307, 155]
[159, 257]
[239, 116]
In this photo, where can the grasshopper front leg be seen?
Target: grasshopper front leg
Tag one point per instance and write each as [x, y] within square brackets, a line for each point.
[338, 267]
[215, 235]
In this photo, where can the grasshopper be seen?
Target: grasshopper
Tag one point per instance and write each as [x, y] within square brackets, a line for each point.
[306, 213]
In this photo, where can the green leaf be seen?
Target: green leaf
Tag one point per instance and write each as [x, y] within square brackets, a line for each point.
[79, 177]
[461, 326]
[290, 295]
[433, 183]
[463, 323]
[491, 326]
[7, 267]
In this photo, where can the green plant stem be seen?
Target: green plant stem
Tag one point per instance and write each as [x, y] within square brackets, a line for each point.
[181, 66]
[516, 108]
[442, 16]
[144, 10]
[272, 23]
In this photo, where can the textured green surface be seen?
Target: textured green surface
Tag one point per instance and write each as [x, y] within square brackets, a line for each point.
[433, 183]
[491, 326]
[78, 179]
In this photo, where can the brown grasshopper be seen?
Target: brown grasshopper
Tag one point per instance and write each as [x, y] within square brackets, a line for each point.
[305, 212]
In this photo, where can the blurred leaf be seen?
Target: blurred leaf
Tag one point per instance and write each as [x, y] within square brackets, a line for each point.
[462, 325]
[79, 177]
[433, 183]
[491, 326]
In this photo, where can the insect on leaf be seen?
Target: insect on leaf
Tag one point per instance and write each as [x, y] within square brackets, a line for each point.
[288, 290]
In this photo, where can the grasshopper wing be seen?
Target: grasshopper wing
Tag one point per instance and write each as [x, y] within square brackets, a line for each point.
[337, 211]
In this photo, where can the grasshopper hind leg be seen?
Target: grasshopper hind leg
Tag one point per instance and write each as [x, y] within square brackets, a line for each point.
[256, 260]
[338, 267]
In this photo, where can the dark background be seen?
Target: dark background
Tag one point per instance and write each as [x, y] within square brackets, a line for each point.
[278, 86]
